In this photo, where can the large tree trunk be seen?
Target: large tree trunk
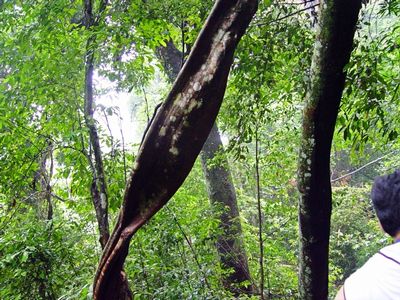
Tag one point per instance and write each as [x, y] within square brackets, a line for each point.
[222, 194]
[332, 51]
[176, 134]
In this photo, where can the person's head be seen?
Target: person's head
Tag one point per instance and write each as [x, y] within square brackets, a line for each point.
[385, 197]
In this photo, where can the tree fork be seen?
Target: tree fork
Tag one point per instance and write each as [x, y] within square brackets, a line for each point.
[332, 52]
[177, 134]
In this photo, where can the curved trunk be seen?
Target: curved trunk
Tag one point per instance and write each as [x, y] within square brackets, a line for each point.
[332, 51]
[176, 134]
[222, 194]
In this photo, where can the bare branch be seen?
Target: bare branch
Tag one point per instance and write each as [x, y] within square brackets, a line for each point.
[364, 166]
[287, 16]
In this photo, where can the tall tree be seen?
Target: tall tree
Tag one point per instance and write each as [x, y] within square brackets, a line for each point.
[327, 75]
[176, 134]
[99, 186]
[221, 192]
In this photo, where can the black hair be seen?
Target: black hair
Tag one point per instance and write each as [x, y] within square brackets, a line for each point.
[385, 197]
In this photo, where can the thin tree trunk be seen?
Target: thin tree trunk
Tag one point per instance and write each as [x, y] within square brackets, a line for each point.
[259, 210]
[99, 187]
[176, 134]
[337, 23]
[222, 194]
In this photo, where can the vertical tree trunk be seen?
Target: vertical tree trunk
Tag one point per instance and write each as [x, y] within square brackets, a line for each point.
[99, 185]
[222, 194]
[332, 51]
[176, 134]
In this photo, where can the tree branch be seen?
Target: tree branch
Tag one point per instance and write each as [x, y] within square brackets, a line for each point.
[287, 16]
[364, 166]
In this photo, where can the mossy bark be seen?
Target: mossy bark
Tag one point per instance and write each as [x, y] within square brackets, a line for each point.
[176, 135]
[332, 51]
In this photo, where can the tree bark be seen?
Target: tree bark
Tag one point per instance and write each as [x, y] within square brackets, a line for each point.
[332, 51]
[221, 192]
[176, 135]
[171, 59]
[99, 187]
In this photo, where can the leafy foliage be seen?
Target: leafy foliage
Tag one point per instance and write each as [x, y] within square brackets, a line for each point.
[43, 260]
[42, 48]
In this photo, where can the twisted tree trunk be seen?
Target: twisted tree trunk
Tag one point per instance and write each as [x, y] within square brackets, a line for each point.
[332, 51]
[176, 134]
[221, 192]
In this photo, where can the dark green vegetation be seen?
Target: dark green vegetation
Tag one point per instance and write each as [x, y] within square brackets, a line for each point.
[232, 228]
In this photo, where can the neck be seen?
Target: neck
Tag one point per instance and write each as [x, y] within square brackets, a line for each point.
[397, 237]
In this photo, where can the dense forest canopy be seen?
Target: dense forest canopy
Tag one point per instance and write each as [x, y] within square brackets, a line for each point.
[105, 106]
